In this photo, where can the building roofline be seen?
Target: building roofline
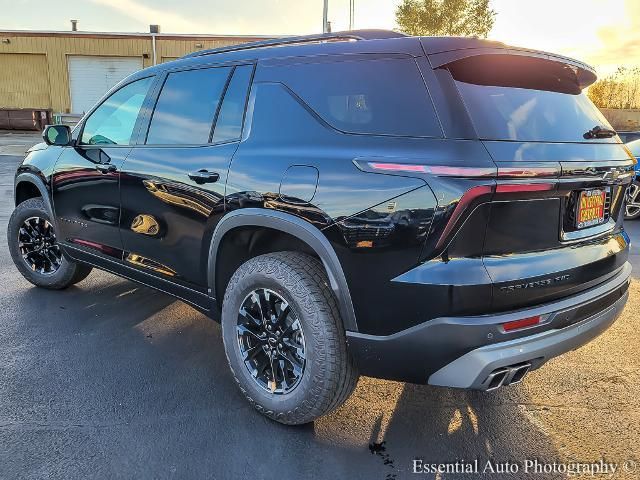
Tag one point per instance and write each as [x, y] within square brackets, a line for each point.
[159, 36]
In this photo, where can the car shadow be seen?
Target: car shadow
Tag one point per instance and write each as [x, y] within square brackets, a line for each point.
[126, 380]
[432, 425]
[102, 297]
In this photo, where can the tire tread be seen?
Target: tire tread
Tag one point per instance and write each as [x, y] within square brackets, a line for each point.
[69, 273]
[304, 275]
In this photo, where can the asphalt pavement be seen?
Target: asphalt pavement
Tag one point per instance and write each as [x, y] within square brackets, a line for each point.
[109, 379]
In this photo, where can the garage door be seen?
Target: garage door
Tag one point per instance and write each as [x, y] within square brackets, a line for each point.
[24, 81]
[91, 77]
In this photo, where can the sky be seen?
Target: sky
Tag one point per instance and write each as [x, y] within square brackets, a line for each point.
[604, 33]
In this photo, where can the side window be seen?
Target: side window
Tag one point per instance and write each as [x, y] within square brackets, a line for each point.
[379, 97]
[112, 123]
[186, 107]
[229, 122]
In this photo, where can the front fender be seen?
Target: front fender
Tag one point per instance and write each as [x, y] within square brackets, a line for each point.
[36, 181]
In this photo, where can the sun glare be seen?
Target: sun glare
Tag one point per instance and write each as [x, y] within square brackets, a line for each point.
[594, 35]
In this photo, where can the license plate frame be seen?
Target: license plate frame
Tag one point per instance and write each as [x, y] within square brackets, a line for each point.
[590, 208]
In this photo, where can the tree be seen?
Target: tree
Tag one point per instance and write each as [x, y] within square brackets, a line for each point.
[619, 90]
[445, 17]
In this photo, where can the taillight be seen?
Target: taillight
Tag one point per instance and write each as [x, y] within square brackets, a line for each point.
[514, 172]
[398, 167]
[523, 187]
[463, 204]
[528, 171]
[439, 170]
[505, 179]
[522, 323]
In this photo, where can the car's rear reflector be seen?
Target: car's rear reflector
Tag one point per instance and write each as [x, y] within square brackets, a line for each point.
[522, 323]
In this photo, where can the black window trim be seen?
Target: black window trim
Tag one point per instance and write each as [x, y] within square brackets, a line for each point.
[136, 128]
[153, 101]
[222, 97]
[244, 110]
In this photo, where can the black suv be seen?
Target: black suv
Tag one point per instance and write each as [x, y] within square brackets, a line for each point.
[432, 210]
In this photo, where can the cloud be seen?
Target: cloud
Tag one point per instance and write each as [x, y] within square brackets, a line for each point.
[620, 42]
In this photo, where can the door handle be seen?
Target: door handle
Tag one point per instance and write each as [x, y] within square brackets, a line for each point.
[204, 176]
[106, 168]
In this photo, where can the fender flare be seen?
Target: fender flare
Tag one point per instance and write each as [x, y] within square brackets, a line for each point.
[35, 180]
[298, 228]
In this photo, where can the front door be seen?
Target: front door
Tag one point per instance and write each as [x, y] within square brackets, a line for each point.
[173, 186]
[85, 180]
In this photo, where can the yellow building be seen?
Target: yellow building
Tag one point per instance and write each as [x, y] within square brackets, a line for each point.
[67, 72]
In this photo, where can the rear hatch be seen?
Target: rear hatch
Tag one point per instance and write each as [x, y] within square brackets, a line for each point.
[554, 220]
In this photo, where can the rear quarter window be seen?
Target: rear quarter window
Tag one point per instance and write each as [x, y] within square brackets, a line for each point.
[377, 97]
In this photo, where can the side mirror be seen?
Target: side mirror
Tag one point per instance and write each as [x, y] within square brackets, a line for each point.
[59, 135]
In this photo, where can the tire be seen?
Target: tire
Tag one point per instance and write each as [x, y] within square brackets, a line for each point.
[62, 275]
[329, 374]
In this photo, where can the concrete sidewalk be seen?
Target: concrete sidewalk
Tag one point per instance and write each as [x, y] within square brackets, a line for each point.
[17, 142]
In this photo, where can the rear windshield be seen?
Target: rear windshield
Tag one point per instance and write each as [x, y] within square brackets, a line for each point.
[525, 99]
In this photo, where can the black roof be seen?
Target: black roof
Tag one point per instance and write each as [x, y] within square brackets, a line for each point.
[297, 40]
[432, 44]
[439, 50]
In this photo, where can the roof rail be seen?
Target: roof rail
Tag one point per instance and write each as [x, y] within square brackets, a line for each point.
[348, 35]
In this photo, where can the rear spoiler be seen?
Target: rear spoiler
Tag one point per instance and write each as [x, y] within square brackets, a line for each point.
[585, 74]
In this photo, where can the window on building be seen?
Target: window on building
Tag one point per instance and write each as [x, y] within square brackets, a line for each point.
[229, 123]
[186, 107]
[112, 123]
[380, 97]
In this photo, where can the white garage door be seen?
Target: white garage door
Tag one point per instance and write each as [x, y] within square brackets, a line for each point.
[91, 77]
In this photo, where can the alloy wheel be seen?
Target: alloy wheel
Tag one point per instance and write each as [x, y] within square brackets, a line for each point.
[38, 246]
[633, 200]
[271, 341]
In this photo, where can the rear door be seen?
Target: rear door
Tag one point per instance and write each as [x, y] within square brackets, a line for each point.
[173, 185]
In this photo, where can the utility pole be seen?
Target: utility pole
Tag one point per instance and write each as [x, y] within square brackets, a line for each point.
[352, 10]
[325, 15]
[154, 30]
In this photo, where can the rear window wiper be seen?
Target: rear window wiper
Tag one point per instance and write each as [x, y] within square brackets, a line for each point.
[599, 132]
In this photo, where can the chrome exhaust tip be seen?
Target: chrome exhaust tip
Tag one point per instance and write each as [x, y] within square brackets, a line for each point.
[503, 376]
[496, 379]
[518, 373]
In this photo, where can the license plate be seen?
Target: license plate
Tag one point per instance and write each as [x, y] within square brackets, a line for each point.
[591, 208]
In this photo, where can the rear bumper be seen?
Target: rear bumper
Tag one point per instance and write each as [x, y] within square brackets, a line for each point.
[473, 369]
[463, 351]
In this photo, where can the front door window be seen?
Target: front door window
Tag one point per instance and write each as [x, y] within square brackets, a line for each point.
[113, 122]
